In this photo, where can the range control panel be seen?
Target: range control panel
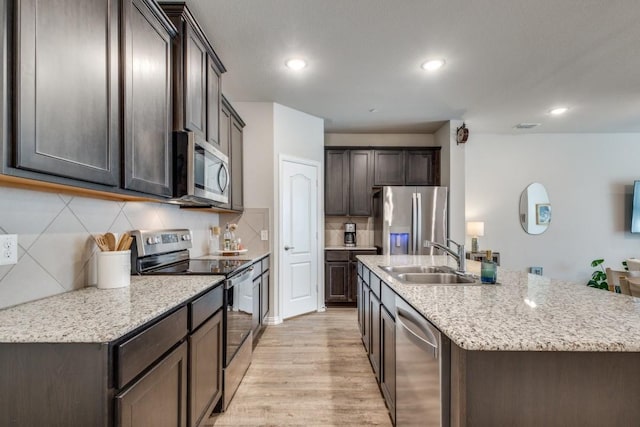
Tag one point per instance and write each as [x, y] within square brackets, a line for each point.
[151, 242]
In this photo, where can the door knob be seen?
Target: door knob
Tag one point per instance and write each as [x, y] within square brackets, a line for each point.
[286, 248]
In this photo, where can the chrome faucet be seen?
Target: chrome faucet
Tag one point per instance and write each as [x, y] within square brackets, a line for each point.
[459, 256]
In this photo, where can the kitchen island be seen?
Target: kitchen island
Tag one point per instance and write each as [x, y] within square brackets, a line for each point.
[527, 351]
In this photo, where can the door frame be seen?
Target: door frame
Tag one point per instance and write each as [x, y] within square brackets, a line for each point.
[279, 249]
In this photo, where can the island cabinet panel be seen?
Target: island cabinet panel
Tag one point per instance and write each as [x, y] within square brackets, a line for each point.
[422, 167]
[67, 105]
[147, 99]
[388, 362]
[159, 398]
[336, 195]
[360, 182]
[547, 388]
[375, 337]
[389, 167]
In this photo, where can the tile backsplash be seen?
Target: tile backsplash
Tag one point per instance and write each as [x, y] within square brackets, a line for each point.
[334, 230]
[250, 223]
[55, 240]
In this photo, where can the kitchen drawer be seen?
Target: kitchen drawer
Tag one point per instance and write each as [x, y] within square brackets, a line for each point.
[374, 284]
[205, 306]
[388, 299]
[365, 275]
[336, 255]
[265, 264]
[354, 254]
[137, 353]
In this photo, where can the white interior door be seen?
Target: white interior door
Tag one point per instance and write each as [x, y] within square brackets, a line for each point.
[299, 238]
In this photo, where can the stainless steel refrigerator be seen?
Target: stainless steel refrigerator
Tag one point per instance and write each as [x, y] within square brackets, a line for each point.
[404, 218]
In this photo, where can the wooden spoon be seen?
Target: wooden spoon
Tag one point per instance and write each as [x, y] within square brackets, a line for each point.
[111, 241]
[124, 239]
[101, 242]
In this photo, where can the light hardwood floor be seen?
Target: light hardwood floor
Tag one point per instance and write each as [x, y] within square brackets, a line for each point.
[309, 371]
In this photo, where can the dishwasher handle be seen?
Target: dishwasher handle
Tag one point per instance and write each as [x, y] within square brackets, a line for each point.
[244, 276]
[414, 328]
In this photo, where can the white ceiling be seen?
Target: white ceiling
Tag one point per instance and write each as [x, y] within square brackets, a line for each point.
[508, 61]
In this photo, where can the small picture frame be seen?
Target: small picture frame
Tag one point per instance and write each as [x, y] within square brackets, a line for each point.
[543, 213]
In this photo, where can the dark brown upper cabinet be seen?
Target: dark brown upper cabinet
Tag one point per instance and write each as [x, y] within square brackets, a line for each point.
[348, 182]
[407, 166]
[389, 167]
[66, 89]
[147, 98]
[197, 70]
[336, 181]
[422, 167]
[237, 187]
[360, 182]
[231, 140]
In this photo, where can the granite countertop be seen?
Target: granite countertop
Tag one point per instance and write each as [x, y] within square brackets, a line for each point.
[350, 248]
[524, 312]
[93, 315]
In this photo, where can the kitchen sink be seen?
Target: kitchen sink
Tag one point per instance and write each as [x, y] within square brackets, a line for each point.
[402, 269]
[428, 275]
[436, 278]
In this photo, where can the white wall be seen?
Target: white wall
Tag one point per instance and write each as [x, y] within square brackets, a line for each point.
[379, 140]
[273, 130]
[452, 175]
[589, 179]
[55, 242]
[257, 153]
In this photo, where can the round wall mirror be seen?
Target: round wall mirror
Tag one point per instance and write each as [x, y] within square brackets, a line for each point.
[535, 209]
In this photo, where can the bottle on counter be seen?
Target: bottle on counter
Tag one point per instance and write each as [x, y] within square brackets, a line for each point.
[488, 269]
[226, 238]
[214, 240]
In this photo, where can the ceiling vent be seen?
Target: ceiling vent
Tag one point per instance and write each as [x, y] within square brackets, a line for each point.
[526, 125]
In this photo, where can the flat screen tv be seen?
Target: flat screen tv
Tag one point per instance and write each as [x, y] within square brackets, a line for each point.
[635, 211]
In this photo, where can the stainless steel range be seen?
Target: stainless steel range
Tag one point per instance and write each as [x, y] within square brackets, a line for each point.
[166, 252]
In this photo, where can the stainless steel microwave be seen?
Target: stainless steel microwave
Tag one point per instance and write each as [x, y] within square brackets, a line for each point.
[201, 171]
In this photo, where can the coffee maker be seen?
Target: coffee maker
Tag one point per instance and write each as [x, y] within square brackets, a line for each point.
[349, 234]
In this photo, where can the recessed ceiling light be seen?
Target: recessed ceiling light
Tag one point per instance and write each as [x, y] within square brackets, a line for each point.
[373, 110]
[296, 63]
[433, 64]
[558, 111]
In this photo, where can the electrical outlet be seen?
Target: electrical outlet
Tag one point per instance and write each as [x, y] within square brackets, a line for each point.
[264, 234]
[8, 249]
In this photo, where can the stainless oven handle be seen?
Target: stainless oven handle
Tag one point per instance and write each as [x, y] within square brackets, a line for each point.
[246, 275]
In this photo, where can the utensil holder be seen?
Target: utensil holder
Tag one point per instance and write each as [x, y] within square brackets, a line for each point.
[114, 269]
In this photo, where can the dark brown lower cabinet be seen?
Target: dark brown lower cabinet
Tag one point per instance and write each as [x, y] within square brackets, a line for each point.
[366, 317]
[255, 313]
[341, 276]
[264, 298]
[159, 398]
[205, 369]
[336, 281]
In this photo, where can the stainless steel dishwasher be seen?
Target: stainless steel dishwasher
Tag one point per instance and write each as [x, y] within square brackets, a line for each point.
[422, 370]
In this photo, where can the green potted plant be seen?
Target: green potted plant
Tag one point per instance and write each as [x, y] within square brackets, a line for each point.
[598, 277]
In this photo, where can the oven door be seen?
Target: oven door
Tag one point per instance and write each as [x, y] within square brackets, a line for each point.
[239, 307]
